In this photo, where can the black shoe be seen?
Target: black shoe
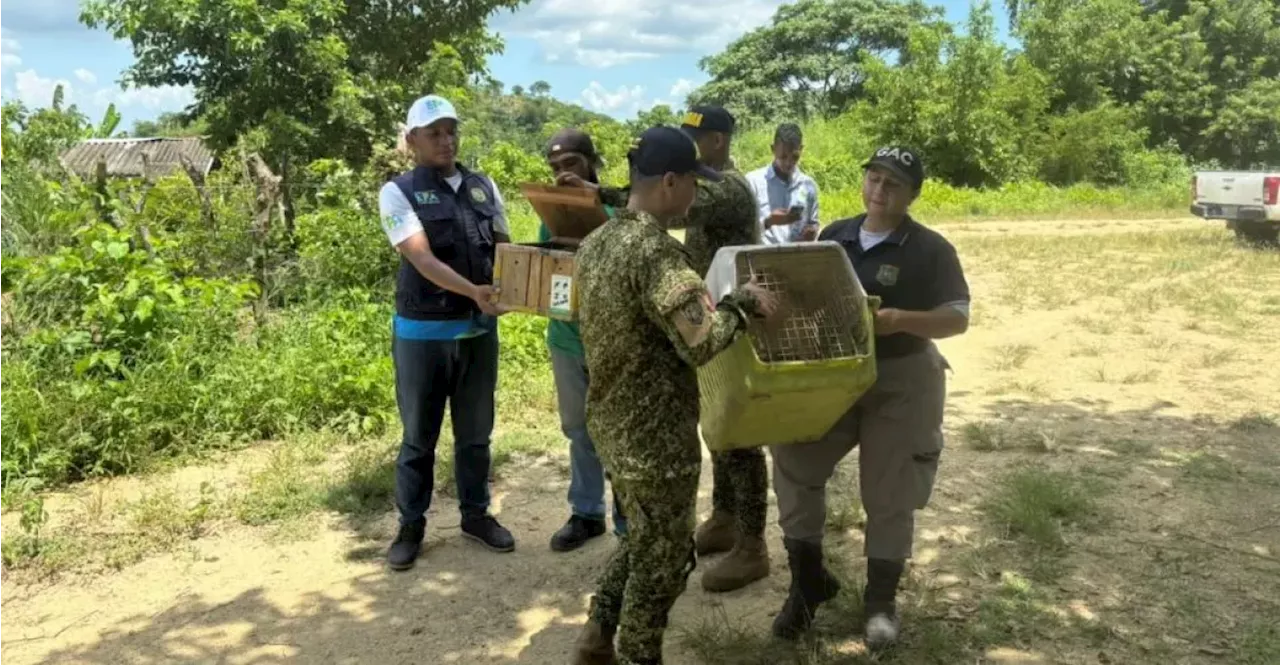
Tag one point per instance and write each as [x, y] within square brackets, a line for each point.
[575, 533]
[486, 531]
[404, 549]
[811, 585]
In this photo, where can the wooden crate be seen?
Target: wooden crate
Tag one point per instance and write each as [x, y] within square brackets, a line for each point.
[537, 279]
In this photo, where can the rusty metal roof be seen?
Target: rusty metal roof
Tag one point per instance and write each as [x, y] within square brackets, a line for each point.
[124, 156]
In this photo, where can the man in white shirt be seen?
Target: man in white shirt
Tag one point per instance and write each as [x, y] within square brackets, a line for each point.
[787, 198]
[445, 221]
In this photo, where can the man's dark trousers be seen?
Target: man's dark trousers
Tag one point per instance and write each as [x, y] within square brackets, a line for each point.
[463, 372]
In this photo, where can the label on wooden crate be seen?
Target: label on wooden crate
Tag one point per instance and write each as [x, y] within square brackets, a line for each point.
[561, 288]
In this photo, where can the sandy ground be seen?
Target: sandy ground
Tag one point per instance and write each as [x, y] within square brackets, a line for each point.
[238, 597]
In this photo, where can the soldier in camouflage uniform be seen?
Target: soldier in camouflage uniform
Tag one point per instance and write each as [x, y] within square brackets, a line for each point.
[647, 322]
[724, 214]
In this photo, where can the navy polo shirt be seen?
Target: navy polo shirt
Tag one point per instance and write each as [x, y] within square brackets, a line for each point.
[915, 269]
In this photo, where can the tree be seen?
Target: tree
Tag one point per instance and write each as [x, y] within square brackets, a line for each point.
[315, 78]
[540, 89]
[974, 111]
[810, 59]
[167, 125]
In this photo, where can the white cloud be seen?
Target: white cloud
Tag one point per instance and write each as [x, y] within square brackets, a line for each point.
[625, 100]
[85, 76]
[9, 48]
[36, 91]
[681, 89]
[606, 33]
[167, 98]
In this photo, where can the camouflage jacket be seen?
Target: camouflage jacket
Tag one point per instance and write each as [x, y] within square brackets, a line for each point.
[723, 214]
[647, 322]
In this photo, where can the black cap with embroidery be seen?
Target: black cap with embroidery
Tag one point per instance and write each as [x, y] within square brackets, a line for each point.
[661, 150]
[709, 117]
[903, 162]
[572, 140]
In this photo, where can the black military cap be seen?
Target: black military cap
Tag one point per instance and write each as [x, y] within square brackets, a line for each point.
[661, 150]
[709, 117]
[903, 162]
[572, 140]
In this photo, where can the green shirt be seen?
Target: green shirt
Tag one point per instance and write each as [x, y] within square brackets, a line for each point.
[563, 335]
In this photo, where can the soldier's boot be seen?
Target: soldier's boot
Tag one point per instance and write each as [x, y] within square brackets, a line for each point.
[595, 645]
[747, 562]
[811, 585]
[718, 534]
[883, 623]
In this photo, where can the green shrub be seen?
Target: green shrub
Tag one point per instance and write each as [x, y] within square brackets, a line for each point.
[103, 303]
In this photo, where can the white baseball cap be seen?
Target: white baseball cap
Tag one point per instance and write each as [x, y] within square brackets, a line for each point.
[428, 110]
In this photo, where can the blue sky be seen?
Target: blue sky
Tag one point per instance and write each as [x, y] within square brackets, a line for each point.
[608, 55]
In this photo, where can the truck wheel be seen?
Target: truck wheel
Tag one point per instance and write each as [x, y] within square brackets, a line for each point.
[1256, 233]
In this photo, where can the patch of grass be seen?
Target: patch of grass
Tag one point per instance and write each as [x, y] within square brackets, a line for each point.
[1133, 447]
[1096, 325]
[368, 481]
[162, 516]
[844, 503]
[1216, 357]
[1087, 351]
[1207, 466]
[1253, 422]
[994, 435]
[1017, 613]
[1011, 356]
[288, 488]
[1140, 376]
[1037, 505]
[1260, 643]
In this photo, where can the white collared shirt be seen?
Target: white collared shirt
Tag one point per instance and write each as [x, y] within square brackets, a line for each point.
[774, 193]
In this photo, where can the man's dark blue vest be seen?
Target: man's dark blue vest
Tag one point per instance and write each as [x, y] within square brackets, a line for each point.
[459, 227]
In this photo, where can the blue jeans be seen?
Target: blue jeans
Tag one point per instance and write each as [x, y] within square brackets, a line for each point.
[429, 373]
[586, 474]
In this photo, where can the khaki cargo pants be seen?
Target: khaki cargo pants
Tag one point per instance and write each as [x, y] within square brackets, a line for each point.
[897, 426]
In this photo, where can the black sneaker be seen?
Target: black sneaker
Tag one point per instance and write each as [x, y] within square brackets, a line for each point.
[404, 549]
[486, 531]
[575, 533]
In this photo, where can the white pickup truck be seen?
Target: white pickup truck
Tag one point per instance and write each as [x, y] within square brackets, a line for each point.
[1249, 201]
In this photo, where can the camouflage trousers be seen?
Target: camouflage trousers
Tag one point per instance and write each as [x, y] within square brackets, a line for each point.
[651, 565]
[740, 487]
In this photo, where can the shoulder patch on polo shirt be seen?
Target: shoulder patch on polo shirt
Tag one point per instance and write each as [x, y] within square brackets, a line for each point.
[887, 275]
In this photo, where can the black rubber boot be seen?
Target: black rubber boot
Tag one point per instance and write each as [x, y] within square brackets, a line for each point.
[811, 585]
[880, 599]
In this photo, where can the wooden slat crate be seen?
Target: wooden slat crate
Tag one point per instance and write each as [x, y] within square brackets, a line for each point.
[537, 279]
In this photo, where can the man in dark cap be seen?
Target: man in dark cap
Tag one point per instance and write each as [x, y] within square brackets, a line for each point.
[573, 159]
[897, 424]
[724, 214]
[647, 322]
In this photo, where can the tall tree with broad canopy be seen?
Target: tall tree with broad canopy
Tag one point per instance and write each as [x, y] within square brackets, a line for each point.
[808, 61]
[312, 78]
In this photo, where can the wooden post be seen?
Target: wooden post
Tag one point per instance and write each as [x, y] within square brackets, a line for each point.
[268, 186]
[148, 182]
[197, 180]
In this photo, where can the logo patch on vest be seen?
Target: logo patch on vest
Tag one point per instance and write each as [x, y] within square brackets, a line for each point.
[428, 197]
[887, 275]
[477, 195]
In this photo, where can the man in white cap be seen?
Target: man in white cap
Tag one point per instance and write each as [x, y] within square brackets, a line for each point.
[445, 221]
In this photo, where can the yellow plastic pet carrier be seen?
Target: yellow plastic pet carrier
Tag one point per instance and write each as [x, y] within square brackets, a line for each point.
[789, 380]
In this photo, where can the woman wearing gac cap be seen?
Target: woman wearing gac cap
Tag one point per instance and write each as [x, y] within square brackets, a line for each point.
[897, 424]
